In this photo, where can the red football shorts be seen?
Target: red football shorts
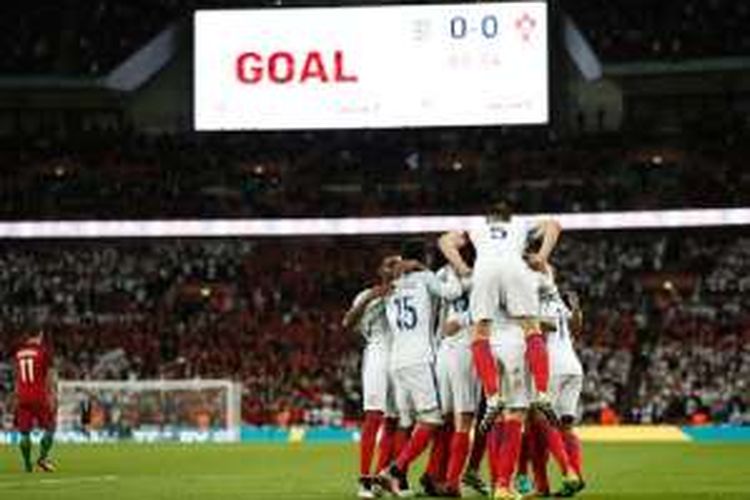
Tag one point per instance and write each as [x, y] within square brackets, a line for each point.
[29, 413]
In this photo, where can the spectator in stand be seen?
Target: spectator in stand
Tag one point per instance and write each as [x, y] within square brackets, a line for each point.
[266, 313]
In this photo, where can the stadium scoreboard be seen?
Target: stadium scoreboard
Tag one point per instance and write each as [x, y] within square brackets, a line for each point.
[371, 67]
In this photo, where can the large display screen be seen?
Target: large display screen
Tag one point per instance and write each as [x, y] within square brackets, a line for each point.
[371, 67]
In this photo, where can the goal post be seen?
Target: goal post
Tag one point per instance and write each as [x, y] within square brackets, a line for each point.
[194, 410]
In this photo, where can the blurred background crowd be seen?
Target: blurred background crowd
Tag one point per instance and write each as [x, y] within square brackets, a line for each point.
[90, 37]
[364, 174]
[267, 313]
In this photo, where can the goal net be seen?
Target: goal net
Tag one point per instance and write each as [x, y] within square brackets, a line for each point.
[149, 410]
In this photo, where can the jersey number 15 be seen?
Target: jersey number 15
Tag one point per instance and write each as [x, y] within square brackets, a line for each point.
[406, 313]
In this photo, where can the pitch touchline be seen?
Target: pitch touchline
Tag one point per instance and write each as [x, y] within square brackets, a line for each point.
[59, 481]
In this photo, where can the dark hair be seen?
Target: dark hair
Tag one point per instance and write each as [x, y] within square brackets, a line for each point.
[500, 208]
[413, 250]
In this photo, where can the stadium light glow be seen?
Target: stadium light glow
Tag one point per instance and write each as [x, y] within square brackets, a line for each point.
[658, 219]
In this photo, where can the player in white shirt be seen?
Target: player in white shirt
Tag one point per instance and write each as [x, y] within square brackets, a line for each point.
[566, 378]
[411, 311]
[367, 316]
[566, 371]
[504, 274]
[457, 382]
[565, 386]
[507, 341]
[505, 301]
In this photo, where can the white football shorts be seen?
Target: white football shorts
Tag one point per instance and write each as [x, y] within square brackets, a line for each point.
[416, 389]
[458, 383]
[565, 392]
[509, 347]
[378, 391]
[507, 283]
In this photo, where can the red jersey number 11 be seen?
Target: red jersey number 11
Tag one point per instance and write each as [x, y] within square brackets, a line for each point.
[27, 370]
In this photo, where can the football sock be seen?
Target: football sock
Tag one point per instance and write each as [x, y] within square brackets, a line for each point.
[494, 438]
[400, 440]
[370, 428]
[485, 365]
[387, 443]
[437, 463]
[510, 448]
[478, 448]
[525, 456]
[459, 451]
[45, 445]
[538, 360]
[539, 456]
[573, 448]
[419, 441]
[556, 446]
[447, 438]
[25, 446]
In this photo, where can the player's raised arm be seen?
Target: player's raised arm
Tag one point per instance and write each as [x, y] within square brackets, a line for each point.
[450, 245]
[549, 230]
[387, 272]
[358, 308]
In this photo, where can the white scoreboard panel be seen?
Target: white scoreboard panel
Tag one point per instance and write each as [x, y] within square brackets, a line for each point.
[371, 67]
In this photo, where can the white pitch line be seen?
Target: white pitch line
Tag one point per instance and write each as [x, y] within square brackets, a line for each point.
[59, 481]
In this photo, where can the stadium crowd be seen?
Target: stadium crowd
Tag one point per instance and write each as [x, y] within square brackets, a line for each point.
[371, 173]
[626, 30]
[267, 313]
[90, 37]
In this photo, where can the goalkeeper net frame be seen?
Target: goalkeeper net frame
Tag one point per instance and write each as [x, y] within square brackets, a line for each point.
[151, 409]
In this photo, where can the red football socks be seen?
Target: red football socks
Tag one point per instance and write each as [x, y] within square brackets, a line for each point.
[485, 365]
[419, 441]
[525, 456]
[573, 448]
[494, 437]
[387, 443]
[510, 448]
[555, 444]
[459, 451]
[370, 428]
[400, 440]
[538, 360]
[539, 457]
[437, 463]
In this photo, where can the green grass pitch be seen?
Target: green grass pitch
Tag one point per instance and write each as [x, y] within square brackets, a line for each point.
[327, 471]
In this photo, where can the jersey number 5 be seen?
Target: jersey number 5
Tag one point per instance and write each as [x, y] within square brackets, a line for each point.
[26, 366]
[406, 318]
[498, 233]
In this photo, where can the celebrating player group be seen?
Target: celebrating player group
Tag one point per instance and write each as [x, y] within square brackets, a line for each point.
[472, 360]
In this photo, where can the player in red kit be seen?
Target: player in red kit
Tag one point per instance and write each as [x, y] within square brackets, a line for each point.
[34, 399]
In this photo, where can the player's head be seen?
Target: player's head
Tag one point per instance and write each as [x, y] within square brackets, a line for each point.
[499, 209]
[388, 267]
[413, 250]
[35, 336]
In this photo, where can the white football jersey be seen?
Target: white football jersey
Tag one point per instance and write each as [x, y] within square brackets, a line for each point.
[373, 325]
[562, 355]
[496, 240]
[455, 310]
[411, 311]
